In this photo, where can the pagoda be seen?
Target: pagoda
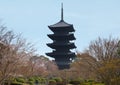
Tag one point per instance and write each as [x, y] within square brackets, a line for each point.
[62, 45]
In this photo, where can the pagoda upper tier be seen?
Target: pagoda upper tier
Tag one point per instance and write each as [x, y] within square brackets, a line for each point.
[69, 36]
[61, 26]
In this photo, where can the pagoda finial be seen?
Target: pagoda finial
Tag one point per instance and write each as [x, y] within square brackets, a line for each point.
[61, 11]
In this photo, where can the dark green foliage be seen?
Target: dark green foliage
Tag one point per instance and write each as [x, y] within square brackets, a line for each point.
[42, 80]
[31, 82]
[52, 82]
[21, 80]
[16, 83]
[75, 82]
[31, 79]
[57, 79]
[90, 80]
[34, 79]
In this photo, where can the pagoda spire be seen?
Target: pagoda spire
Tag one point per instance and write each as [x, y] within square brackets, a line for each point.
[61, 11]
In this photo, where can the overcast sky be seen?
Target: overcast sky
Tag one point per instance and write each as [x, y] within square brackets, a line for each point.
[91, 19]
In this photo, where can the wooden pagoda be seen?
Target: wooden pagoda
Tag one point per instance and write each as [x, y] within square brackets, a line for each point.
[62, 45]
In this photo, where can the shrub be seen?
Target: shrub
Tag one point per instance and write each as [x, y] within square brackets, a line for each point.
[75, 82]
[16, 83]
[90, 80]
[52, 82]
[31, 79]
[42, 80]
[21, 80]
[57, 79]
[31, 82]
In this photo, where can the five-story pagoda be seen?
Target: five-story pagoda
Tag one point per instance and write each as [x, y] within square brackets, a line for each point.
[62, 45]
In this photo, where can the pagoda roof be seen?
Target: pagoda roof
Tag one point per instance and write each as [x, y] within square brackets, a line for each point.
[61, 23]
[62, 45]
[57, 54]
[61, 37]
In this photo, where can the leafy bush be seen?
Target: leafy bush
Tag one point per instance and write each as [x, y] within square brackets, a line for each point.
[31, 82]
[43, 80]
[75, 82]
[35, 78]
[21, 80]
[31, 79]
[16, 83]
[90, 80]
[52, 82]
[58, 79]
